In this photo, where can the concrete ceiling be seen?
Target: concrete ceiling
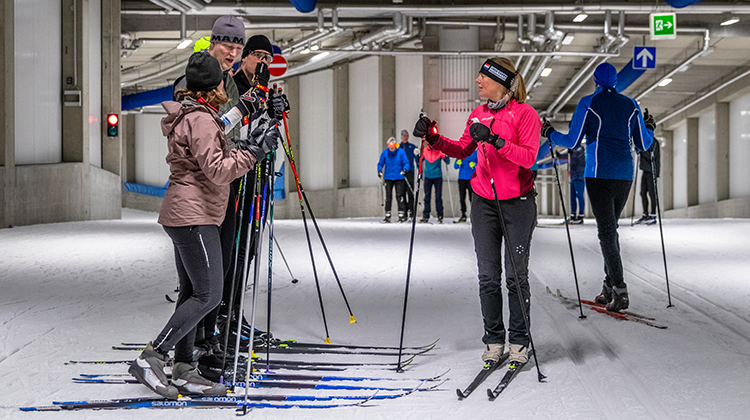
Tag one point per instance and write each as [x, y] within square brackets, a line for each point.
[156, 61]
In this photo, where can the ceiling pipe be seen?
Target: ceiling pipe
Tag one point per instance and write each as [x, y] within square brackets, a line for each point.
[160, 73]
[523, 40]
[534, 45]
[167, 8]
[174, 4]
[583, 76]
[701, 53]
[705, 95]
[553, 39]
[193, 4]
[478, 53]
[321, 34]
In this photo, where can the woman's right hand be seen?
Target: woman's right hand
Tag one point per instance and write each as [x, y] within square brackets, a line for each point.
[426, 128]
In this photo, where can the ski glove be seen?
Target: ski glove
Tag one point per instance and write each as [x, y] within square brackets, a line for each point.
[648, 119]
[426, 128]
[278, 104]
[480, 132]
[267, 139]
[547, 128]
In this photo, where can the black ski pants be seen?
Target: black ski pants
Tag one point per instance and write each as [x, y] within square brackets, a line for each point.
[400, 185]
[489, 232]
[409, 195]
[608, 198]
[428, 184]
[464, 187]
[648, 192]
[197, 251]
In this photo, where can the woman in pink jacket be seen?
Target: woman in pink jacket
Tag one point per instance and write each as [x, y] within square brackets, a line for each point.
[506, 132]
[194, 206]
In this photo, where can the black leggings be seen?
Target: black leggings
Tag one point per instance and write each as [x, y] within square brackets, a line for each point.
[519, 215]
[400, 185]
[197, 251]
[648, 192]
[608, 198]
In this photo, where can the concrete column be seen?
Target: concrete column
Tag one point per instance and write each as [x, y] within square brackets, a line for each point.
[111, 94]
[291, 89]
[341, 126]
[127, 131]
[387, 98]
[666, 195]
[431, 73]
[722, 151]
[7, 115]
[692, 162]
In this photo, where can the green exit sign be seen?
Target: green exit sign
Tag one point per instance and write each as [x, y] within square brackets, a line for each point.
[663, 26]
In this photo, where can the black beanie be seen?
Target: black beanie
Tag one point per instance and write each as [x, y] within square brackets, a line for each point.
[203, 72]
[255, 43]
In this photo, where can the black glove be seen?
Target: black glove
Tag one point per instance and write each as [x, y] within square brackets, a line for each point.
[479, 132]
[496, 141]
[276, 104]
[257, 152]
[267, 139]
[648, 119]
[426, 128]
[547, 129]
[250, 101]
[380, 174]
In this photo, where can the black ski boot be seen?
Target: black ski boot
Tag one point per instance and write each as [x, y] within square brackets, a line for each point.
[387, 218]
[148, 369]
[605, 296]
[401, 217]
[642, 220]
[461, 219]
[440, 220]
[651, 220]
[424, 220]
[620, 299]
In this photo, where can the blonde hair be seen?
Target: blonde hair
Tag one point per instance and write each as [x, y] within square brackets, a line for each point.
[518, 87]
[215, 97]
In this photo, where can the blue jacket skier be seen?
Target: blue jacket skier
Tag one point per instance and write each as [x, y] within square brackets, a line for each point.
[466, 168]
[392, 166]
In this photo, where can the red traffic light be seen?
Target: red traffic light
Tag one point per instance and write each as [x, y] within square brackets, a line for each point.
[112, 119]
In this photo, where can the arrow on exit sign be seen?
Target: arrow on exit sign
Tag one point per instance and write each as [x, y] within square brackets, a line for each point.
[663, 26]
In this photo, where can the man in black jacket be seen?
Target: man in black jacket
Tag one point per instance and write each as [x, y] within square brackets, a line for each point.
[647, 182]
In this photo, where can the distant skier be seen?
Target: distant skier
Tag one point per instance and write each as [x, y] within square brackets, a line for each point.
[576, 167]
[466, 168]
[612, 123]
[412, 155]
[647, 182]
[392, 166]
[508, 129]
[433, 177]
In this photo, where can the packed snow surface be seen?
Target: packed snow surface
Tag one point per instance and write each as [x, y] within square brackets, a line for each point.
[70, 291]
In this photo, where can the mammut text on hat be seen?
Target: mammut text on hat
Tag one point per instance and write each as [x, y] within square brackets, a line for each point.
[228, 28]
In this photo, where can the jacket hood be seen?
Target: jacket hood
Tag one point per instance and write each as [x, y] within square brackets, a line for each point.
[175, 112]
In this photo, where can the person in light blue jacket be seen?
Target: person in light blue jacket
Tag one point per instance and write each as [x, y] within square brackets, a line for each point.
[612, 124]
[466, 168]
[433, 177]
[391, 168]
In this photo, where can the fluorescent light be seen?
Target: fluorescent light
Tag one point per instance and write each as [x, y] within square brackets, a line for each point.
[580, 17]
[305, 51]
[319, 56]
[184, 44]
[568, 39]
[665, 82]
[315, 47]
[731, 20]
[546, 71]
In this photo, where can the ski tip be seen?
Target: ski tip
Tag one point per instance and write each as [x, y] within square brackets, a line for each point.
[491, 395]
[327, 340]
[548, 290]
[460, 394]
[352, 320]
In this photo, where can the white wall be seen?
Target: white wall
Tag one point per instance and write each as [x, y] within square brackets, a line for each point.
[150, 150]
[408, 93]
[707, 157]
[680, 166]
[739, 147]
[38, 68]
[364, 121]
[95, 83]
[316, 134]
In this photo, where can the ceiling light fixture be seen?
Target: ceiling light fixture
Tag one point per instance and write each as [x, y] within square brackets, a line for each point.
[315, 47]
[568, 39]
[665, 82]
[730, 20]
[305, 51]
[580, 17]
[546, 72]
[185, 43]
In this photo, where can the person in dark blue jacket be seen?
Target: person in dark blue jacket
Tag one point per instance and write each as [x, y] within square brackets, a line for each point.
[612, 124]
[391, 168]
[412, 155]
[647, 182]
[466, 168]
[576, 166]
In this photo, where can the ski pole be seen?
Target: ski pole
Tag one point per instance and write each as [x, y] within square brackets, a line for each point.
[408, 266]
[567, 227]
[450, 193]
[289, 158]
[512, 262]
[230, 304]
[635, 184]
[294, 279]
[270, 174]
[315, 224]
[661, 232]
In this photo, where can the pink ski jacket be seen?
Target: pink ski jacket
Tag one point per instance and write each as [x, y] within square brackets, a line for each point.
[520, 126]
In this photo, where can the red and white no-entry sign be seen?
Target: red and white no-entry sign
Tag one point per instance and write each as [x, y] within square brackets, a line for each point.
[278, 66]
